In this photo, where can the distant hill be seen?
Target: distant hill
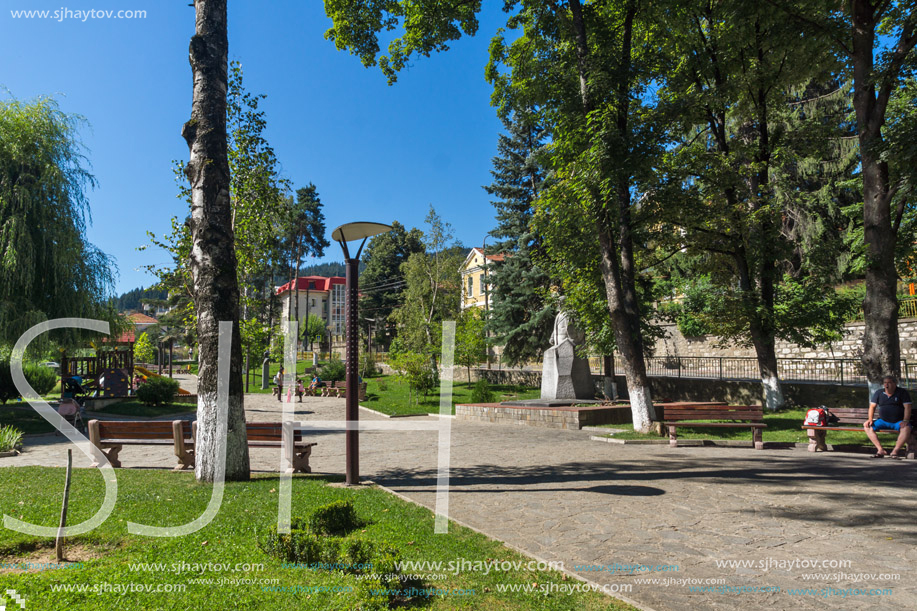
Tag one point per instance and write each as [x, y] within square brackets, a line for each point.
[327, 270]
[131, 299]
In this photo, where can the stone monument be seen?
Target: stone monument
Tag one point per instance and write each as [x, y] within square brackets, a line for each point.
[564, 375]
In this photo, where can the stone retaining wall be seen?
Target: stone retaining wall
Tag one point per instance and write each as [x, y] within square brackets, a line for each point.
[850, 347]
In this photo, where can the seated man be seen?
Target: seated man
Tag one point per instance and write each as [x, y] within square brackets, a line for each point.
[315, 383]
[894, 415]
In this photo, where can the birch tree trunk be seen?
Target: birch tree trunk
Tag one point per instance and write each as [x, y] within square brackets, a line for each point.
[213, 257]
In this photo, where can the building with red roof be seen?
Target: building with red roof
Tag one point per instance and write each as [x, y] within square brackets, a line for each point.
[317, 295]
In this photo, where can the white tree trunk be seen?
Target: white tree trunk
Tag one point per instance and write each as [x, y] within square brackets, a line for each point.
[773, 393]
[641, 408]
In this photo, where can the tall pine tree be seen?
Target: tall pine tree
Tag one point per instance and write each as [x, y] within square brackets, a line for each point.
[521, 316]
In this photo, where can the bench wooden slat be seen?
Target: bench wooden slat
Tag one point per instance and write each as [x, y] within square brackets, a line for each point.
[700, 425]
[693, 417]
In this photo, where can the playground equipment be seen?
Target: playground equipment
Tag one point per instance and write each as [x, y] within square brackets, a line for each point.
[107, 374]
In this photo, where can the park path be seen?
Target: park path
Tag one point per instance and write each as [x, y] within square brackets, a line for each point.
[560, 497]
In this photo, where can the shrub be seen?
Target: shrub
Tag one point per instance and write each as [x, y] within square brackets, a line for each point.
[157, 391]
[333, 371]
[368, 367]
[42, 379]
[377, 560]
[337, 518]
[10, 438]
[383, 385]
[481, 392]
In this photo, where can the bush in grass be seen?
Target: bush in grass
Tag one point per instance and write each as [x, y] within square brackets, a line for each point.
[383, 385]
[337, 518]
[368, 367]
[305, 544]
[414, 368]
[333, 371]
[481, 392]
[10, 438]
[42, 379]
[157, 391]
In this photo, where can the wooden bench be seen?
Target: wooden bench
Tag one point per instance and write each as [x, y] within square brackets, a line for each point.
[850, 419]
[111, 436]
[339, 389]
[692, 415]
[270, 435]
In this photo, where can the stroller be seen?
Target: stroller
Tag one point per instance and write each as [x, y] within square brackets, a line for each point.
[72, 399]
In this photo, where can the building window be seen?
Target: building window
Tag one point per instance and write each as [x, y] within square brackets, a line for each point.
[482, 284]
[470, 286]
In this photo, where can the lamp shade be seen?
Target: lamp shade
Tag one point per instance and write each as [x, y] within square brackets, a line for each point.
[357, 231]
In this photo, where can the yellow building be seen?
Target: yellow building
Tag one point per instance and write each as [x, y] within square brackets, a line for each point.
[475, 292]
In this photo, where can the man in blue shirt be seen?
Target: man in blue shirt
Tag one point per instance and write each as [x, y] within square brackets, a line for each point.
[894, 415]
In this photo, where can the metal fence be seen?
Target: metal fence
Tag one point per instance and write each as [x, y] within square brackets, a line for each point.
[847, 372]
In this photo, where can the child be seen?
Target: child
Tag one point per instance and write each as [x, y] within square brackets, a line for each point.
[299, 389]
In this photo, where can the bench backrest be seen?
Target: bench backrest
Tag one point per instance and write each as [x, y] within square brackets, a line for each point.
[147, 429]
[268, 431]
[857, 415]
[676, 413]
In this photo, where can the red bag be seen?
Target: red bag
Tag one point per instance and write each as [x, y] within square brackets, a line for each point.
[817, 416]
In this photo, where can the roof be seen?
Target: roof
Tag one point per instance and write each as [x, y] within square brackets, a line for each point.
[312, 283]
[127, 336]
[477, 252]
[497, 257]
[142, 319]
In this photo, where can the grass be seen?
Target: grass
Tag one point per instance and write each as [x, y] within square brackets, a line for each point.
[394, 399]
[135, 408]
[782, 426]
[255, 379]
[26, 420]
[109, 554]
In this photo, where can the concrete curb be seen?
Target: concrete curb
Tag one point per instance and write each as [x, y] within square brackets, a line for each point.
[372, 411]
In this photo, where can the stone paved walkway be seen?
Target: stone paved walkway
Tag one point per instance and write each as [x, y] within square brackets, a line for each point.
[560, 497]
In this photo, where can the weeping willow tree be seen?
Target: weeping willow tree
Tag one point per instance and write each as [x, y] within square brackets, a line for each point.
[49, 269]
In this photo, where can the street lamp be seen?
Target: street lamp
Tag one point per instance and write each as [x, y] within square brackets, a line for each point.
[343, 234]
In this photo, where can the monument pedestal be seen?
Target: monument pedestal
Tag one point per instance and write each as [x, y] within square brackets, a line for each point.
[565, 375]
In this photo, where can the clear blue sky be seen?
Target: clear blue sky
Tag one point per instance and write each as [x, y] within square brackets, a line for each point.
[375, 152]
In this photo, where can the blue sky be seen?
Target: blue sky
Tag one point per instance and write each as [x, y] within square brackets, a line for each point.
[375, 152]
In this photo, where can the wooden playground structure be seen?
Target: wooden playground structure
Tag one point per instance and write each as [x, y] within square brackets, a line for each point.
[109, 372]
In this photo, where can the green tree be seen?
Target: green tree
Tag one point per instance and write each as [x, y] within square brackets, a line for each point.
[589, 73]
[143, 349]
[754, 147]
[470, 340]
[432, 288]
[521, 315]
[314, 330]
[305, 226]
[49, 268]
[382, 280]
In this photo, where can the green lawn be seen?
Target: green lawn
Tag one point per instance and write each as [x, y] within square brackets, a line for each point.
[782, 426]
[135, 408]
[109, 553]
[26, 420]
[393, 400]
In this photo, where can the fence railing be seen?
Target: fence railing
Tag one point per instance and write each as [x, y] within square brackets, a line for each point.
[846, 372]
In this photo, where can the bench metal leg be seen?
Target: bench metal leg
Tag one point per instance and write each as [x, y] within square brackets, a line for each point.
[673, 437]
[817, 440]
[758, 438]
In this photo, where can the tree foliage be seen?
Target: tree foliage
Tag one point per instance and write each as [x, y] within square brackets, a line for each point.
[521, 313]
[49, 268]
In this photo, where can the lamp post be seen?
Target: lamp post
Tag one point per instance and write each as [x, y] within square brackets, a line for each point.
[343, 234]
